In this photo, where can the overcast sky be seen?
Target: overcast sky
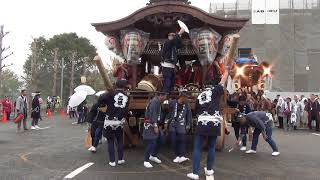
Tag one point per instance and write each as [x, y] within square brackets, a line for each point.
[33, 18]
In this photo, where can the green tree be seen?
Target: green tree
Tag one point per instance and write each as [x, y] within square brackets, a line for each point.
[42, 56]
[11, 84]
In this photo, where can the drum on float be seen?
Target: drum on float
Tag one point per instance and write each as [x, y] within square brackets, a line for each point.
[151, 83]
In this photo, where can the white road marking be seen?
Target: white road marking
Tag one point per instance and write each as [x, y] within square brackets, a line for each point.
[78, 171]
[44, 128]
[74, 122]
[316, 134]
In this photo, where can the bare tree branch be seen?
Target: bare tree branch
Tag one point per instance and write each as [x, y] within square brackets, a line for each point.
[4, 49]
[6, 56]
[4, 66]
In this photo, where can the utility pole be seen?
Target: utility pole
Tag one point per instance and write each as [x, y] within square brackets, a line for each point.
[55, 67]
[74, 53]
[2, 35]
[61, 90]
[33, 61]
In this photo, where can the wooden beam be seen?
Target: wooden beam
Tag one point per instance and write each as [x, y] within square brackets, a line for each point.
[232, 51]
[103, 72]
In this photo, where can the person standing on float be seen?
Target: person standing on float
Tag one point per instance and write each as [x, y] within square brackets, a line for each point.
[169, 56]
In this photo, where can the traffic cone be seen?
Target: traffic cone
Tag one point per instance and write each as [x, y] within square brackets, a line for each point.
[49, 114]
[62, 112]
[4, 117]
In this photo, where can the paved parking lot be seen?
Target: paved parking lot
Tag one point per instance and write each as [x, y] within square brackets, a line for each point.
[57, 151]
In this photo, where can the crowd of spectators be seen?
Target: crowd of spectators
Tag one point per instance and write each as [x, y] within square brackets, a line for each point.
[290, 113]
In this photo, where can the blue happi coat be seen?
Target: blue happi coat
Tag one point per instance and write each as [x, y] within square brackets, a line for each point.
[209, 101]
[180, 116]
[117, 107]
[152, 117]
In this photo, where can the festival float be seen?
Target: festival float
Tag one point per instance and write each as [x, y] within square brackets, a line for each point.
[248, 73]
[139, 38]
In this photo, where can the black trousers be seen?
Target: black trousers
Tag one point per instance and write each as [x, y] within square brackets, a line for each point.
[310, 123]
[81, 118]
[96, 133]
[243, 131]
[169, 77]
[111, 136]
[8, 115]
[280, 119]
[71, 114]
[34, 121]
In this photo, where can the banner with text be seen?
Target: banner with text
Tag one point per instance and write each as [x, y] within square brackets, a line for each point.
[265, 11]
[272, 12]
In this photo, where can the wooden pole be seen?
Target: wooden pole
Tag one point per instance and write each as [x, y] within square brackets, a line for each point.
[55, 67]
[108, 85]
[103, 72]
[33, 61]
[232, 51]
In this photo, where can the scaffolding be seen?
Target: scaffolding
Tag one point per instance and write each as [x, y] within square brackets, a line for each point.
[293, 46]
[242, 8]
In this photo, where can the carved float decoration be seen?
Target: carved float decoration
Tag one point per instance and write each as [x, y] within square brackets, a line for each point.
[133, 43]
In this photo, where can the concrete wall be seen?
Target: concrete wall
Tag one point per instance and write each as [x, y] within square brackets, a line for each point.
[290, 47]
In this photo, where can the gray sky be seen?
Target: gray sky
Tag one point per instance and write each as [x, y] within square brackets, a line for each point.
[34, 18]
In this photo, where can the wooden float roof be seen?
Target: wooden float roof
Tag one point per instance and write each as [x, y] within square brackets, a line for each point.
[180, 8]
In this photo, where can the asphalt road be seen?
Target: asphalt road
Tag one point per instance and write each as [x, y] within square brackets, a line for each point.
[55, 152]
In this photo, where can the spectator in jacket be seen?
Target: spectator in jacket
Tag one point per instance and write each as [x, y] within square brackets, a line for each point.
[262, 124]
[298, 111]
[304, 118]
[6, 106]
[35, 113]
[279, 110]
[96, 118]
[288, 110]
[313, 109]
[82, 111]
[21, 108]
